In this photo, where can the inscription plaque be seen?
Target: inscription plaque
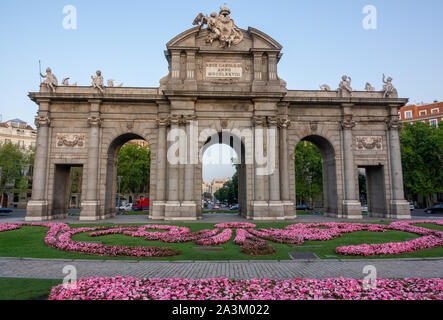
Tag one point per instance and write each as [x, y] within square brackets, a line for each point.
[224, 70]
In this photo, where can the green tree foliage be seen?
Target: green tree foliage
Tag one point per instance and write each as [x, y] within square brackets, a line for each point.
[134, 163]
[308, 172]
[229, 191]
[422, 158]
[16, 167]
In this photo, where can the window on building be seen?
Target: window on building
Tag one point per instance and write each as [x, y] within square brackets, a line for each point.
[433, 123]
[436, 110]
[408, 114]
[423, 113]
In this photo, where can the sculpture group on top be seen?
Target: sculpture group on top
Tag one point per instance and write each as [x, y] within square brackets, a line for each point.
[51, 81]
[344, 87]
[221, 27]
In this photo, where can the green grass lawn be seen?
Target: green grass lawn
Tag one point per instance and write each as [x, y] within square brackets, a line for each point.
[26, 289]
[29, 242]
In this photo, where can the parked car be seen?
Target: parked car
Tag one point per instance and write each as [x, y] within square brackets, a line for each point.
[438, 208]
[216, 207]
[126, 208]
[234, 208]
[141, 205]
[364, 208]
[5, 210]
[411, 206]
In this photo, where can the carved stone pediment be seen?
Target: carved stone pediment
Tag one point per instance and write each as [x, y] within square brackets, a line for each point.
[71, 140]
[369, 143]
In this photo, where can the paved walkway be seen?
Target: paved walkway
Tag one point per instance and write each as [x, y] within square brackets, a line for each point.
[53, 269]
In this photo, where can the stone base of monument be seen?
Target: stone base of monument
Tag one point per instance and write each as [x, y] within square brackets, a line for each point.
[185, 211]
[37, 211]
[268, 211]
[352, 209]
[400, 209]
[289, 210]
[90, 211]
[157, 210]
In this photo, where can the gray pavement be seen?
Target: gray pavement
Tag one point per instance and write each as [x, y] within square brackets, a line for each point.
[19, 216]
[318, 269]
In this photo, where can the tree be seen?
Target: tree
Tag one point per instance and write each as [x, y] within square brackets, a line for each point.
[16, 168]
[133, 166]
[422, 159]
[229, 191]
[308, 171]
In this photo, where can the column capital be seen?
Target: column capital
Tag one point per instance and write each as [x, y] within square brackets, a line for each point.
[259, 121]
[42, 121]
[94, 121]
[273, 121]
[175, 119]
[162, 122]
[284, 123]
[347, 123]
[393, 123]
[189, 118]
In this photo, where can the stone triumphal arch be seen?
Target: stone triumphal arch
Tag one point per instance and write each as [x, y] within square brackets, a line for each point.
[222, 84]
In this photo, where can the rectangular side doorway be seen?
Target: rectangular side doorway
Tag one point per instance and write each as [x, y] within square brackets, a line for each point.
[66, 181]
[376, 190]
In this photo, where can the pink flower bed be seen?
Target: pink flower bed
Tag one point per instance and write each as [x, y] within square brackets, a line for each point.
[252, 240]
[235, 225]
[119, 288]
[220, 238]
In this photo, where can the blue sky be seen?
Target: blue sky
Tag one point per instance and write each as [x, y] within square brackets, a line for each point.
[322, 40]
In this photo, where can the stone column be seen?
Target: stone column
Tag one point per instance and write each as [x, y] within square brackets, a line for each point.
[189, 205]
[91, 203]
[284, 170]
[274, 179]
[260, 206]
[351, 204]
[276, 210]
[37, 208]
[158, 206]
[172, 207]
[399, 206]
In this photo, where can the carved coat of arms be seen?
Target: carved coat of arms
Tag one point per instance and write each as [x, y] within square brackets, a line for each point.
[221, 27]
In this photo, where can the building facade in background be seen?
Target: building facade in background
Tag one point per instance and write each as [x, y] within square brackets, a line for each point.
[217, 184]
[20, 133]
[429, 113]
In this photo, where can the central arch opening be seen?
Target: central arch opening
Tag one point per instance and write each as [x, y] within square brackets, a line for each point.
[224, 175]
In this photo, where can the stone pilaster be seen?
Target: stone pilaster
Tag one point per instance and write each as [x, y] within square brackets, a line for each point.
[190, 81]
[399, 206]
[351, 204]
[90, 203]
[37, 208]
